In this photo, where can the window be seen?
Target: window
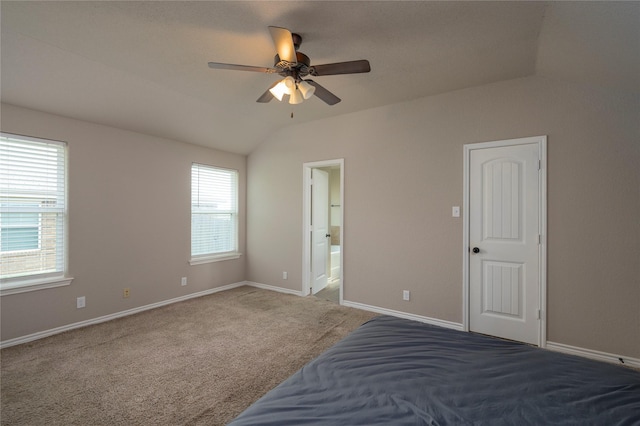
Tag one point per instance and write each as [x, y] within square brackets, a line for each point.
[214, 214]
[19, 232]
[33, 212]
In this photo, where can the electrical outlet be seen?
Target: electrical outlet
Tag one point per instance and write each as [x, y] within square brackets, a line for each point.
[406, 294]
[125, 293]
[80, 302]
[183, 282]
[285, 275]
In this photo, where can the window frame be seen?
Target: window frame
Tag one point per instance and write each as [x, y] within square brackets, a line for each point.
[40, 280]
[198, 259]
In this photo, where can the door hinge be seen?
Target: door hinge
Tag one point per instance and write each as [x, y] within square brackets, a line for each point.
[539, 314]
[539, 164]
[539, 239]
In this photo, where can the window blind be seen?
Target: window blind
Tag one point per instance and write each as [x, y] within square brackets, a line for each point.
[33, 206]
[214, 210]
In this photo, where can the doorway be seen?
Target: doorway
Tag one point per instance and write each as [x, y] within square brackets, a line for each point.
[505, 239]
[323, 242]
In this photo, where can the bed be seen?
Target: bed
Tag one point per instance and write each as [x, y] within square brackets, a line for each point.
[393, 371]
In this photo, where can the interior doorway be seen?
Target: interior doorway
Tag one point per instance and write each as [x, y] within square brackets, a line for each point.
[323, 243]
[505, 239]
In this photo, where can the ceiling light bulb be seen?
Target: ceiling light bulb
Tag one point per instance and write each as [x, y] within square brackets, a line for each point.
[306, 89]
[290, 84]
[296, 97]
[279, 90]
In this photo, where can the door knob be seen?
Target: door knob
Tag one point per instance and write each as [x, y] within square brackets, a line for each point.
[328, 235]
[476, 250]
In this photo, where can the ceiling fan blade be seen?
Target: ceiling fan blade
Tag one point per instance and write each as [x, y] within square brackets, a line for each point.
[324, 94]
[233, 67]
[351, 67]
[267, 96]
[283, 40]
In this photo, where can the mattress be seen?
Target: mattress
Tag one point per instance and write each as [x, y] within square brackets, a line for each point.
[394, 371]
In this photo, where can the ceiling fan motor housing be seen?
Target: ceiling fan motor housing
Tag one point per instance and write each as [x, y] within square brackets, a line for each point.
[297, 40]
[300, 69]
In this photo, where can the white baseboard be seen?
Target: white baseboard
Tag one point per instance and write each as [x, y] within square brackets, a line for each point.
[559, 347]
[273, 288]
[385, 311]
[362, 306]
[593, 354]
[105, 318]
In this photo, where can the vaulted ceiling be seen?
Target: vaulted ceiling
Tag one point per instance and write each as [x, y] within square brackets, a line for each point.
[142, 66]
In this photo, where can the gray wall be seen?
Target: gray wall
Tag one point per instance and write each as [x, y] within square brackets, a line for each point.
[129, 223]
[403, 172]
[129, 209]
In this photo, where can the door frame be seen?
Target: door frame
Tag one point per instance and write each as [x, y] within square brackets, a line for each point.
[542, 226]
[306, 221]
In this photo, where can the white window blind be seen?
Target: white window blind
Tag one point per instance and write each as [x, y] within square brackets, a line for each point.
[33, 207]
[214, 211]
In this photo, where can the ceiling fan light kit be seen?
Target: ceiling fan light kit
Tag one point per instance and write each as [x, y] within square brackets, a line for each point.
[293, 66]
[296, 97]
[297, 91]
[284, 87]
[306, 89]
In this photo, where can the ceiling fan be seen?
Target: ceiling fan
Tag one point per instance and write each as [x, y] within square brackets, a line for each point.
[293, 66]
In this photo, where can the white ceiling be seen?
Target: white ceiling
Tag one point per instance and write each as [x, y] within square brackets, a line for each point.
[142, 66]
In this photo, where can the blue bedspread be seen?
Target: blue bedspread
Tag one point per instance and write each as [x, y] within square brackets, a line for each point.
[393, 371]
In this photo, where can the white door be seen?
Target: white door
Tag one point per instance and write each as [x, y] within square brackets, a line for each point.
[319, 229]
[504, 236]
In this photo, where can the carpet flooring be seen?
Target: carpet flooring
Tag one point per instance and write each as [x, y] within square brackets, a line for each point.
[197, 362]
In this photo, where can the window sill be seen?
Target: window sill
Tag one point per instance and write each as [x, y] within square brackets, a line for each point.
[25, 285]
[214, 258]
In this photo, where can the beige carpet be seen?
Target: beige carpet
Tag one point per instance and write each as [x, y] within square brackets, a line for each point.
[201, 361]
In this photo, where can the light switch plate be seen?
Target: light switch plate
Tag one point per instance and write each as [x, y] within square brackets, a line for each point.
[455, 211]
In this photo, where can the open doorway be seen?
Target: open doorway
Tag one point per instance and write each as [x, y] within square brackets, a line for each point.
[323, 187]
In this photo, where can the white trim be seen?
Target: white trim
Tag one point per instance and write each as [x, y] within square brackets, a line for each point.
[105, 318]
[306, 222]
[542, 247]
[465, 240]
[306, 230]
[199, 260]
[33, 139]
[542, 227]
[274, 288]
[593, 354]
[24, 286]
[405, 315]
[559, 347]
